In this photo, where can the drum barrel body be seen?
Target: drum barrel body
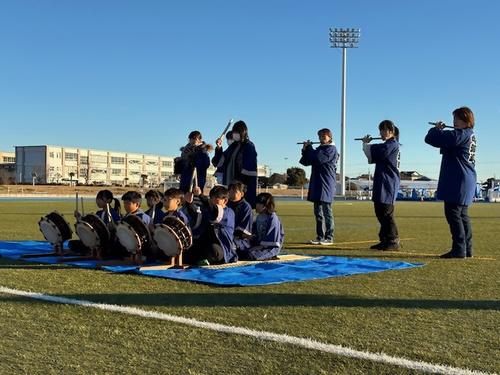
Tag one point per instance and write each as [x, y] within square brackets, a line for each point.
[55, 228]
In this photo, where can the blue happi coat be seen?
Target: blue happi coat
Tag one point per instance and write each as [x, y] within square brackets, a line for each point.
[323, 162]
[386, 178]
[457, 176]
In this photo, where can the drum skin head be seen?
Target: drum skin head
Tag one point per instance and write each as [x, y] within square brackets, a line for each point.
[128, 237]
[167, 240]
[92, 231]
[55, 228]
[51, 233]
[87, 234]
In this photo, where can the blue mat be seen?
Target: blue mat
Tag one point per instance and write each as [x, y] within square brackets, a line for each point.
[254, 274]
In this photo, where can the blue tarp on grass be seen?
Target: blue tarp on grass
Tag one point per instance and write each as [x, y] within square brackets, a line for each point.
[254, 274]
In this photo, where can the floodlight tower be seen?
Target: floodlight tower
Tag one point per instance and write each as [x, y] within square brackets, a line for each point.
[343, 38]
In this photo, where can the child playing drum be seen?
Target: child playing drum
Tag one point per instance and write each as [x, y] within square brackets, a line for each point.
[215, 243]
[109, 216]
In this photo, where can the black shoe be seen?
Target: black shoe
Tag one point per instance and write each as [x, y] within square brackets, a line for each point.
[452, 254]
[469, 254]
[378, 246]
[390, 247]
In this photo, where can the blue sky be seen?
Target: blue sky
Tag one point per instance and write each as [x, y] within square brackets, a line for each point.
[138, 76]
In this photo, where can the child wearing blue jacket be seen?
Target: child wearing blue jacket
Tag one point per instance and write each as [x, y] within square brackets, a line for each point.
[457, 177]
[323, 163]
[267, 236]
[386, 180]
[215, 243]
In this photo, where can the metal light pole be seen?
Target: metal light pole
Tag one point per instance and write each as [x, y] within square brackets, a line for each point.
[343, 38]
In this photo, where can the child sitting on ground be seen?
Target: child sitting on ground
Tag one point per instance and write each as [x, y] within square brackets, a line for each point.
[243, 214]
[109, 215]
[215, 243]
[131, 203]
[267, 232]
[171, 201]
[154, 201]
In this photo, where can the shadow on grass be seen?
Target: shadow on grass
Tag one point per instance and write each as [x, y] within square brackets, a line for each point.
[270, 300]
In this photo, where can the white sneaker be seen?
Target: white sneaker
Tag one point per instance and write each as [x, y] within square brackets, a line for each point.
[316, 241]
[326, 242]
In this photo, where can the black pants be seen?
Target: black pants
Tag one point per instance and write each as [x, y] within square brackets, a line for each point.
[460, 228]
[213, 252]
[388, 229]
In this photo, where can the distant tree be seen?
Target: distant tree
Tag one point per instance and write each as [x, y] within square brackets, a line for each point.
[263, 181]
[296, 177]
[4, 176]
[277, 178]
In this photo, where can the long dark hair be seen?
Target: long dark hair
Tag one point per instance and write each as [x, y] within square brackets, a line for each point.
[241, 127]
[389, 125]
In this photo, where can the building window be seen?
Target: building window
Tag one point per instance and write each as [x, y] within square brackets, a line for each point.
[9, 159]
[84, 159]
[167, 164]
[117, 160]
[99, 159]
[118, 172]
[51, 154]
[71, 156]
[135, 161]
[151, 162]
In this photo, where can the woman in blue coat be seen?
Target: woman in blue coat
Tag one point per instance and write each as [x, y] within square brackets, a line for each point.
[386, 180]
[238, 161]
[323, 163]
[457, 177]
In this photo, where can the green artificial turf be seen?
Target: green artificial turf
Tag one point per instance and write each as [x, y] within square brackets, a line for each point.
[447, 312]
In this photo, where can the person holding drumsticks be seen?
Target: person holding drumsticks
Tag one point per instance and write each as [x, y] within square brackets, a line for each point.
[457, 177]
[238, 161]
[323, 162]
[109, 215]
[386, 180]
[215, 243]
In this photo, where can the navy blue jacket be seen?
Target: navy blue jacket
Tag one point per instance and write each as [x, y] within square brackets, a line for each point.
[457, 177]
[386, 178]
[323, 162]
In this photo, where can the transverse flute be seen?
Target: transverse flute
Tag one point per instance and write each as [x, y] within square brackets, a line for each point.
[313, 143]
[360, 139]
[446, 126]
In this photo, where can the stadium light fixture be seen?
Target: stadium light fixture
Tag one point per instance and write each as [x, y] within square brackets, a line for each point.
[343, 38]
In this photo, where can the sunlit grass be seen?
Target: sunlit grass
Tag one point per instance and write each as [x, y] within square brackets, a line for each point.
[445, 312]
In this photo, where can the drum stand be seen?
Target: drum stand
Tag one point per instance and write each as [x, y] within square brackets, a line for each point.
[175, 263]
[58, 251]
[135, 259]
[95, 254]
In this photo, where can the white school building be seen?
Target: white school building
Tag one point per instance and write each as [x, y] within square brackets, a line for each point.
[56, 164]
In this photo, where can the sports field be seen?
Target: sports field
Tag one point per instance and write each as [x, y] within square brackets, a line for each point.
[440, 318]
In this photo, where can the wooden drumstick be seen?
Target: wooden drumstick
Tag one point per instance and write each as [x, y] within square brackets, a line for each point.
[194, 180]
[226, 129]
[108, 211]
[76, 208]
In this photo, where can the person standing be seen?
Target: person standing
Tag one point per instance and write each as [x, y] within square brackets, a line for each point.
[238, 161]
[386, 181]
[194, 157]
[457, 177]
[323, 163]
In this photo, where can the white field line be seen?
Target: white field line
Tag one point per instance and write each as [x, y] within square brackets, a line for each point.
[261, 335]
